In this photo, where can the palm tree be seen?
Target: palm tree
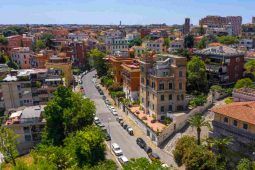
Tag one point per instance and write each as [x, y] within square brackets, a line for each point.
[198, 121]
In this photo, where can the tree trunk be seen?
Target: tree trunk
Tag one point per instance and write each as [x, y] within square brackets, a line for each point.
[13, 161]
[198, 136]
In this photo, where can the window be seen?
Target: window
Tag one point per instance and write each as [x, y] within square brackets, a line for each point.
[225, 119]
[170, 86]
[153, 96]
[152, 106]
[182, 97]
[245, 126]
[180, 86]
[27, 137]
[161, 86]
[178, 97]
[170, 108]
[162, 97]
[235, 123]
[162, 108]
[170, 97]
[180, 73]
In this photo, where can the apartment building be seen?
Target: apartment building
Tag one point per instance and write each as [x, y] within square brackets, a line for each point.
[30, 87]
[248, 31]
[186, 26]
[237, 120]
[61, 62]
[114, 45]
[224, 65]
[116, 62]
[220, 22]
[176, 45]
[247, 44]
[22, 56]
[40, 59]
[131, 80]
[154, 45]
[162, 84]
[28, 124]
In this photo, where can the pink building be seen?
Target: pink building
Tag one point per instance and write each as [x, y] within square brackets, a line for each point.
[22, 56]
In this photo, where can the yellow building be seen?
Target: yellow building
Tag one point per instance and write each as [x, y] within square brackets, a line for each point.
[236, 120]
[63, 63]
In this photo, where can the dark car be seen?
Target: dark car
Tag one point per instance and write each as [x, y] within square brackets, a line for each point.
[153, 156]
[148, 149]
[107, 136]
[119, 119]
[125, 126]
[122, 123]
[141, 142]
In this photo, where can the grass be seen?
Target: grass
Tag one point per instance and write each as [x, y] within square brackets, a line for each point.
[25, 158]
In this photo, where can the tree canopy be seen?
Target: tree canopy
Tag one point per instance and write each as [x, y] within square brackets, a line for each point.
[228, 40]
[197, 77]
[8, 142]
[99, 62]
[143, 163]
[65, 113]
[135, 42]
[3, 40]
[245, 82]
[189, 41]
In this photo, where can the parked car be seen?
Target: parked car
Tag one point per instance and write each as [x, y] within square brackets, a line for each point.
[147, 149]
[103, 97]
[141, 142]
[122, 123]
[153, 156]
[125, 126]
[101, 125]
[119, 119]
[116, 149]
[107, 136]
[114, 112]
[107, 101]
[130, 131]
[96, 120]
[123, 160]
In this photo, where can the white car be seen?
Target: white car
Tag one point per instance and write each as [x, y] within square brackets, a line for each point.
[122, 159]
[114, 113]
[116, 149]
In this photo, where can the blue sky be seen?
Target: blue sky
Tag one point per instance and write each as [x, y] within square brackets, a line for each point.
[112, 11]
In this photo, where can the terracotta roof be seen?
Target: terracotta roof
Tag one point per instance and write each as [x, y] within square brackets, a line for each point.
[243, 111]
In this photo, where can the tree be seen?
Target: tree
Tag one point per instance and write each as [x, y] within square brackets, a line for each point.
[181, 148]
[197, 77]
[56, 156]
[166, 42]
[99, 62]
[39, 45]
[189, 41]
[3, 40]
[67, 112]
[198, 121]
[135, 42]
[202, 43]
[12, 65]
[86, 146]
[8, 143]
[245, 82]
[107, 164]
[250, 68]
[201, 30]
[143, 163]
[228, 40]
[244, 164]
[47, 39]
[3, 58]
[199, 158]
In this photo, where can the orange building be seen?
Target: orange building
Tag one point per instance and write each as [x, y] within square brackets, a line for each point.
[131, 80]
[115, 62]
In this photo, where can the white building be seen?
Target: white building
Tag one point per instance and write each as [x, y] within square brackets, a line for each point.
[22, 56]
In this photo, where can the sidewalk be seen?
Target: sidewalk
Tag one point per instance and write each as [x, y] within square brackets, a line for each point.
[165, 157]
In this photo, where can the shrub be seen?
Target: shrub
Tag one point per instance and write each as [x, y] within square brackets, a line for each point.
[198, 101]
[228, 100]
[144, 118]
[216, 88]
[115, 87]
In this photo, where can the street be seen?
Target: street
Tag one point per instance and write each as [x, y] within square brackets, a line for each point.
[126, 142]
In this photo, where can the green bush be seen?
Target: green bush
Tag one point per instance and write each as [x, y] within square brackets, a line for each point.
[216, 88]
[198, 101]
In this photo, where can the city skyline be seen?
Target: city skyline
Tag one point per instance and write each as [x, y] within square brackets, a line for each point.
[128, 11]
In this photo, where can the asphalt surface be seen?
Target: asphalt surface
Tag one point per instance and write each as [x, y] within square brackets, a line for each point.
[120, 136]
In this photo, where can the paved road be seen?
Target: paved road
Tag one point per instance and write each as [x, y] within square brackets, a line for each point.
[126, 142]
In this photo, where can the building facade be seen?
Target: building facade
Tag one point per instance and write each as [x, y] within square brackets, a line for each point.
[22, 56]
[224, 65]
[28, 124]
[131, 80]
[30, 87]
[162, 84]
[238, 121]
